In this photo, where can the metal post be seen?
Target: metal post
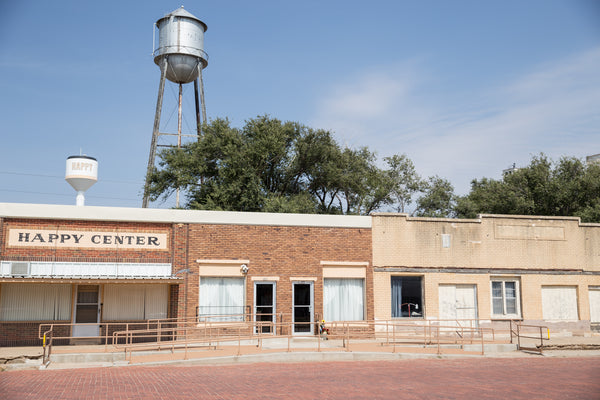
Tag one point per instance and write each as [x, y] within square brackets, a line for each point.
[185, 355]
[155, 130]
[159, 333]
[387, 331]
[198, 121]
[239, 341]
[318, 342]
[347, 326]
[482, 343]
[204, 120]
[179, 116]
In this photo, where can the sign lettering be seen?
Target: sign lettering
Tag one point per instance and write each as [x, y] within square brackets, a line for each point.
[87, 239]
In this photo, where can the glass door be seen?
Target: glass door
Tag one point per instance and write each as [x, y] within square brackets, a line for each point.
[87, 311]
[264, 306]
[302, 308]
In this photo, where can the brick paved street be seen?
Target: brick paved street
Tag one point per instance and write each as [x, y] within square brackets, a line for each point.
[481, 378]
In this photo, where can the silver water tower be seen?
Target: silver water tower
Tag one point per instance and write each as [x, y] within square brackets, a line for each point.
[181, 57]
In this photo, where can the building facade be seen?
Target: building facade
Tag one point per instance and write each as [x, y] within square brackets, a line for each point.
[94, 269]
[104, 267]
[541, 270]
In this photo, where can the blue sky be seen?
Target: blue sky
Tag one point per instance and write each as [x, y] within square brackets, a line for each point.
[464, 88]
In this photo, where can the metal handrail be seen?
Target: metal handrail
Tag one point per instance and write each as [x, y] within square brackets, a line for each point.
[516, 332]
[47, 350]
[189, 333]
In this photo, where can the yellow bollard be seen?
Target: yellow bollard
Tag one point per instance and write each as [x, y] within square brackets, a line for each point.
[44, 341]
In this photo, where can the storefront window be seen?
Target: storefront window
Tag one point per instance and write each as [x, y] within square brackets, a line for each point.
[221, 299]
[344, 299]
[35, 302]
[505, 298]
[135, 302]
[407, 297]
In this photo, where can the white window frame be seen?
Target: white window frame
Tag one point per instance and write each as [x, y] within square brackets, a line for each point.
[504, 314]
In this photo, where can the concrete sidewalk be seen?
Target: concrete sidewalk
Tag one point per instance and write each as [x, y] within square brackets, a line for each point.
[275, 350]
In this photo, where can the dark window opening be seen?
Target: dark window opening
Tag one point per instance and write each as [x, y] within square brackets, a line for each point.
[407, 297]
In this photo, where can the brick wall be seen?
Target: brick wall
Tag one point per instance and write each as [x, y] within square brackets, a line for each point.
[285, 252]
[26, 333]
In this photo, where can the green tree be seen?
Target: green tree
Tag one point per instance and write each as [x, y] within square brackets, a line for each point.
[247, 169]
[568, 187]
[403, 180]
[275, 166]
[438, 199]
[318, 157]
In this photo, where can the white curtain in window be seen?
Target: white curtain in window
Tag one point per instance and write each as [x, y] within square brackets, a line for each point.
[156, 301]
[135, 302]
[221, 296]
[35, 302]
[123, 303]
[344, 299]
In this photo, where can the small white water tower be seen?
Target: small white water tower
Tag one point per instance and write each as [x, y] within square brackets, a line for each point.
[82, 173]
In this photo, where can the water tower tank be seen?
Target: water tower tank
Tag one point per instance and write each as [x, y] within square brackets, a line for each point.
[82, 173]
[181, 39]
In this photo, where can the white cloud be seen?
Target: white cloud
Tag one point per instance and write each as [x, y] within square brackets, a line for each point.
[370, 98]
[552, 109]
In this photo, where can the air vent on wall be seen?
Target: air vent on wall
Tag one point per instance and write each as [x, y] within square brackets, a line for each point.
[19, 269]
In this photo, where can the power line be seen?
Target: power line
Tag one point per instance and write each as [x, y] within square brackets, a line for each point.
[62, 177]
[67, 195]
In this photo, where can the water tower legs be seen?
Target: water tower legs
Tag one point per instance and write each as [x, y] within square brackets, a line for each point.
[155, 130]
[198, 122]
[199, 98]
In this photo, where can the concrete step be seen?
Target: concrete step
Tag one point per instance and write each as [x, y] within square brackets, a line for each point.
[74, 358]
[491, 347]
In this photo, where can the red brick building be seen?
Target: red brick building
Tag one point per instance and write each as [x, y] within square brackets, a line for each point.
[103, 267]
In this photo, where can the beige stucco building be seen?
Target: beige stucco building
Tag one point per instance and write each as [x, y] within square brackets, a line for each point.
[493, 268]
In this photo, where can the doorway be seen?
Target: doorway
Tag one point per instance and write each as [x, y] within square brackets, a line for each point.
[87, 311]
[264, 306]
[302, 308]
[458, 303]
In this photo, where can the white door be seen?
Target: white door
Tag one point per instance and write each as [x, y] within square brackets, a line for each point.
[458, 302]
[594, 305]
[559, 303]
[86, 317]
